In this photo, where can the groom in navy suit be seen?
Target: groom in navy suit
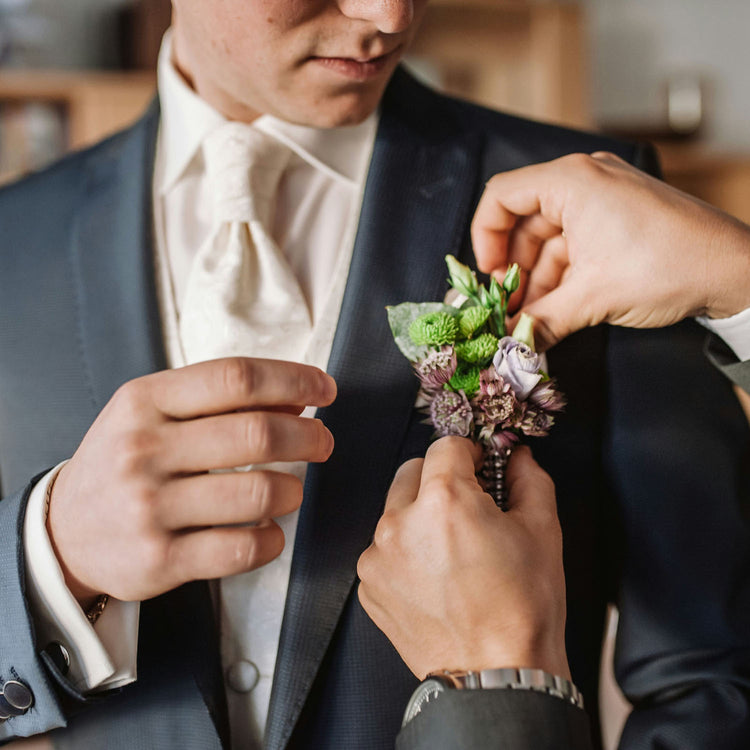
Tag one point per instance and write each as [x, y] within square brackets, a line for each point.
[650, 459]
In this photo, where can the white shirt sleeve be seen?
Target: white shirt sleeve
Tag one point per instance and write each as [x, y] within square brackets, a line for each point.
[734, 330]
[102, 656]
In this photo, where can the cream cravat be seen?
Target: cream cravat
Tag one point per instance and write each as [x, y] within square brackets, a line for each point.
[241, 295]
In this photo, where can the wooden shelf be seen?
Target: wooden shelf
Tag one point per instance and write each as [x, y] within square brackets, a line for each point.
[96, 104]
[722, 179]
[529, 58]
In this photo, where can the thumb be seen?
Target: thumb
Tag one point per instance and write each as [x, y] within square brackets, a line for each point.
[557, 314]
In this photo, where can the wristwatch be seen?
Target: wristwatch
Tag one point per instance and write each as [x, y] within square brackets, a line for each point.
[436, 683]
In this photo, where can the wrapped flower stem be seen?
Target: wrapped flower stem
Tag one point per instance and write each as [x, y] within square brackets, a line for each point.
[492, 475]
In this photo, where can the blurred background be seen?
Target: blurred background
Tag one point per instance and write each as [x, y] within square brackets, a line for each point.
[670, 71]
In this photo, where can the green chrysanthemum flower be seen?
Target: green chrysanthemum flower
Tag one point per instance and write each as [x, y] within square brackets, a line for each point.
[477, 351]
[434, 329]
[471, 320]
[465, 379]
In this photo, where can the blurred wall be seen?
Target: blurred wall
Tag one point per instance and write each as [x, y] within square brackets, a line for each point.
[61, 33]
[637, 45]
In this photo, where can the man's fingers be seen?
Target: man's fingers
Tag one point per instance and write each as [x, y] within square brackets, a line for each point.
[231, 498]
[239, 439]
[448, 462]
[558, 314]
[405, 485]
[548, 271]
[219, 552]
[225, 385]
[528, 239]
[507, 196]
[530, 489]
[490, 233]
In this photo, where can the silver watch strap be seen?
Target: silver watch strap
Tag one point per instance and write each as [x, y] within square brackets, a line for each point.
[515, 679]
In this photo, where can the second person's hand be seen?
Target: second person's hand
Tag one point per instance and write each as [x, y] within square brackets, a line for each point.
[603, 242]
[456, 583]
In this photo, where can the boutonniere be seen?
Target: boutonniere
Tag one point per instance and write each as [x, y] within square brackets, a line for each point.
[476, 380]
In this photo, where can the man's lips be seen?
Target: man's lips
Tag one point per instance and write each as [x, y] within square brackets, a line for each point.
[357, 68]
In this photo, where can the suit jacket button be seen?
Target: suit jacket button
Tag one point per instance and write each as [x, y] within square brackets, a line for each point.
[15, 698]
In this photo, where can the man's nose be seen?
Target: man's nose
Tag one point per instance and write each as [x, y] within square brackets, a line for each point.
[390, 16]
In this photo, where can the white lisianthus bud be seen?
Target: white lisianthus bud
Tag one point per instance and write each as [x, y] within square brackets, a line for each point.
[462, 277]
[524, 331]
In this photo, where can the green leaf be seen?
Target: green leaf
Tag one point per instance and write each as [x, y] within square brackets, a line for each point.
[400, 318]
[497, 320]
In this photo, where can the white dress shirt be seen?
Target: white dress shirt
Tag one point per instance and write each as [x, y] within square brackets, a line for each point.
[315, 224]
[734, 330]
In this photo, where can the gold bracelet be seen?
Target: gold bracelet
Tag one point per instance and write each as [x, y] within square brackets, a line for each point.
[94, 612]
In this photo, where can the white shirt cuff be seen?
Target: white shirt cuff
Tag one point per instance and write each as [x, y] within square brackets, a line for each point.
[734, 330]
[102, 656]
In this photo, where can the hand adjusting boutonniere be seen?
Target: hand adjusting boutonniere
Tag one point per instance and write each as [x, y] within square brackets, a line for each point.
[476, 381]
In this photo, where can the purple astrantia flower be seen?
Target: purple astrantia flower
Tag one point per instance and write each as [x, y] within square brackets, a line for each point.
[437, 368]
[451, 414]
[536, 423]
[491, 384]
[546, 397]
[518, 364]
[501, 441]
[495, 405]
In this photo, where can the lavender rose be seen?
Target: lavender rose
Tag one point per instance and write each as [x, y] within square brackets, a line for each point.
[518, 364]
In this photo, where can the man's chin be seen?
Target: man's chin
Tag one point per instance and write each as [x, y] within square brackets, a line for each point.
[340, 110]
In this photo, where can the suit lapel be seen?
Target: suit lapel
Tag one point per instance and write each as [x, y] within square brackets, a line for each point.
[119, 329]
[415, 210]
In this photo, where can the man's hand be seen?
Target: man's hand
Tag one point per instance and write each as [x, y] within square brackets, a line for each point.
[453, 581]
[135, 512]
[603, 242]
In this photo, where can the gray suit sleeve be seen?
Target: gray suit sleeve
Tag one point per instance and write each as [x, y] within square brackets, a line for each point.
[722, 357]
[20, 657]
[497, 720]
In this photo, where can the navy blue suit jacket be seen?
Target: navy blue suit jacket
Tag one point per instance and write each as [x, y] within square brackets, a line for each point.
[650, 459]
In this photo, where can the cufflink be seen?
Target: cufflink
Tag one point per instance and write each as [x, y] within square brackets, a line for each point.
[59, 656]
[15, 699]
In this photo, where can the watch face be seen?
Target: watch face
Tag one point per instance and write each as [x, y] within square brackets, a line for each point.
[427, 691]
